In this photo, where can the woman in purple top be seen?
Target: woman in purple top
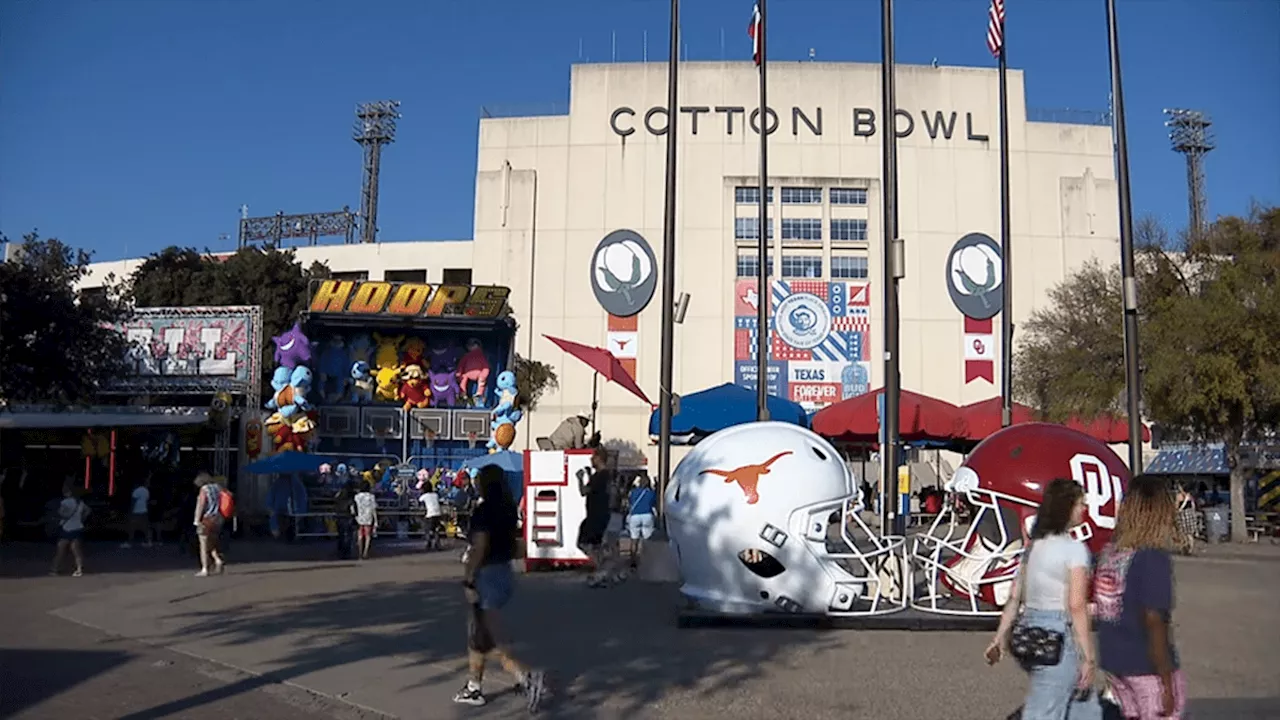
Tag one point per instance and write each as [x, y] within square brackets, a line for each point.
[1134, 596]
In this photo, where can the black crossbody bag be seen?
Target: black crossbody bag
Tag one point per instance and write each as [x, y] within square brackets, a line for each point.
[1030, 645]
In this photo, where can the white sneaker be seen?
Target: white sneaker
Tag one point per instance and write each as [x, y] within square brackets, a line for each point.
[203, 573]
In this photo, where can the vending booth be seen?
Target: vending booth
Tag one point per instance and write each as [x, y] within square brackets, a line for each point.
[554, 507]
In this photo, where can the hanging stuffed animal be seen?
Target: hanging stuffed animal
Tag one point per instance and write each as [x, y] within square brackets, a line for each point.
[335, 370]
[444, 389]
[292, 398]
[508, 410]
[413, 350]
[387, 355]
[413, 390]
[362, 383]
[444, 356]
[388, 384]
[474, 368]
[360, 348]
[292, 347]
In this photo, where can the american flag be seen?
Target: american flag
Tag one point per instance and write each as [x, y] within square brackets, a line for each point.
[995, 27]
[756, 31]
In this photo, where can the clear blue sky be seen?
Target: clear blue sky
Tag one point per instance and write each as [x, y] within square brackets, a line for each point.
[130, 125]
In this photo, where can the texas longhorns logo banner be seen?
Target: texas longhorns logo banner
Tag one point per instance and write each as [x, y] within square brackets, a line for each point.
[748, 476]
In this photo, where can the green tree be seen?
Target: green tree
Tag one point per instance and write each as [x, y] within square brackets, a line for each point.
[533, 379]
[271, 279]
[1209, 331]
[56, 344]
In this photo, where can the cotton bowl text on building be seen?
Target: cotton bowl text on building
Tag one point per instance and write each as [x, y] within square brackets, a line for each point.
[550, 188]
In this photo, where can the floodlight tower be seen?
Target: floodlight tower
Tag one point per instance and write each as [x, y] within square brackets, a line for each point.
[375, 126]
[1189, 133]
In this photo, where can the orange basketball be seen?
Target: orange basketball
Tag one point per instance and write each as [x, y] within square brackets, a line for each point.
[505, 435]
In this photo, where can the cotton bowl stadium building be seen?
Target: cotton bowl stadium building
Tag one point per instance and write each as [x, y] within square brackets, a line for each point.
[549, 189]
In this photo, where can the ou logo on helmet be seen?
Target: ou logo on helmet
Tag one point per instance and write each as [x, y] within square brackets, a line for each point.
[1100, 488]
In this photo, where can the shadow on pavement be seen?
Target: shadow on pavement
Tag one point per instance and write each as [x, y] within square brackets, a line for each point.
[608, 652]
[32, 676]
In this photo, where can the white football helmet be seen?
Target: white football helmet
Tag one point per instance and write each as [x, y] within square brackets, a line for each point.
[764, 518]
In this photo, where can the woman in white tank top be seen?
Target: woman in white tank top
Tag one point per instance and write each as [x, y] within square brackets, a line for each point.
[1052, 591]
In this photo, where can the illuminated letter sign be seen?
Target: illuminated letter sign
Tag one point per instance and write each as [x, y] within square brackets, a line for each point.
[372, 297]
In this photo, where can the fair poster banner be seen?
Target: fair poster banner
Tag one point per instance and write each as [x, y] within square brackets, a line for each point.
[818, 339]
[192, 350]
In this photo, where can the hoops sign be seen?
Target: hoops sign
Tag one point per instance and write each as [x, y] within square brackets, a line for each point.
[1100, 488]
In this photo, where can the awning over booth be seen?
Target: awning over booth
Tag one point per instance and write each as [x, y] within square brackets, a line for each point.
[289, 461]
[1189, 460]
[921, 419]
[708, 411]
[96, 417]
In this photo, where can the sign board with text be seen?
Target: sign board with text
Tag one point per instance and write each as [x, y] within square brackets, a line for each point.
[195, 350]
[407, 299]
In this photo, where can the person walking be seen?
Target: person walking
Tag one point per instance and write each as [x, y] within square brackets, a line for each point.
[430, 502]
[366, 517]
[1188, 524]
[72, 512]
[343, 515]
[641, 520]
[208, 523]
[1134, 598]
[139, 517]
[1052, 592]
[488, 584]
[595, 485]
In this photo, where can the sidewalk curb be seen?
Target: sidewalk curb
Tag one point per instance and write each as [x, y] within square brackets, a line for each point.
[362, 711]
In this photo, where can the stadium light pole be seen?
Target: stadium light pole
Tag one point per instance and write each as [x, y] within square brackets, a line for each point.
[668, 267]
[1132, 375]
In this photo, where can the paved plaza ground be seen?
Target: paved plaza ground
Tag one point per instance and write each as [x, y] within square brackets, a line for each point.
[288, 634]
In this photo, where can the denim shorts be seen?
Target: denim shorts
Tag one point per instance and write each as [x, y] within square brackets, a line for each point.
[495, 583]
[1052, 690]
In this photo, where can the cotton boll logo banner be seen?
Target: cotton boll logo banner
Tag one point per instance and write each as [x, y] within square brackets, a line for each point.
[623, 273]
[974, 269]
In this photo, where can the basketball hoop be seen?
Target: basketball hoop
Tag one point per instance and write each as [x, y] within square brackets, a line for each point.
[381, 434]
[429, 434]
[471, 440]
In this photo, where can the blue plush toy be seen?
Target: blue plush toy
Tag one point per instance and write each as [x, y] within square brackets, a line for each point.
[507, 411]
[291, 391]
[335, 370]
[361, 347]
[279, 381]
[362, 383]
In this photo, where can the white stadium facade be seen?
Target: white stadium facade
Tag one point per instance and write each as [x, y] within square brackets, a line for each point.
[550, 188]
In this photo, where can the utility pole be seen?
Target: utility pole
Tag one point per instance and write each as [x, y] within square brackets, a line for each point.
[667, 370]
[375, 126]
[893, 261]
[763, 291]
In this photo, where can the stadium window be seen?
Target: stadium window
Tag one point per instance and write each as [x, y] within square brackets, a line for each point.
[848, 229]
[801, 196]
[848, 267]
[356, 275]
[456, 276]
[848, 196]
[749, 195]
[749, 266]
[748, 228]
[801, 266]
[413, 276]
[801, 228]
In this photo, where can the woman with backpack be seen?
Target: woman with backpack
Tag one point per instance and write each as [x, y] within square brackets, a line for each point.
[71, 516]
[208, 522]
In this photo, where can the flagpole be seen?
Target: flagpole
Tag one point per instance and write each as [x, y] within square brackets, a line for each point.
[668, 265]
[1132, 376]
[1006, 251]
[891, 261]
[763, 291]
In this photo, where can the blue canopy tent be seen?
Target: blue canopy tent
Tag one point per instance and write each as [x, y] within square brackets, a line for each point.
[511, 464]
[289, 462]
[714, 409]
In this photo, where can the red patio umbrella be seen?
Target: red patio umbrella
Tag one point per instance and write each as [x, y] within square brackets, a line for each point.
[984, 417]
[920, 417]
[606, 365]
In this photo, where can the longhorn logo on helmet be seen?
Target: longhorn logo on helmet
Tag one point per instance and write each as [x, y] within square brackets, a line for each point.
[1100, 488]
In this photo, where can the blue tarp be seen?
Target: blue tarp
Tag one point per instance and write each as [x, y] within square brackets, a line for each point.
[289, 462]
[512, 466]
[717, 408]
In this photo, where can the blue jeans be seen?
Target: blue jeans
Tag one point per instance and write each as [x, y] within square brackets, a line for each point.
[1052, 689]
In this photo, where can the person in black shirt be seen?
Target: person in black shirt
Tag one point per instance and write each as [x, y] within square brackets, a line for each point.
[488, 584]
[596, 486]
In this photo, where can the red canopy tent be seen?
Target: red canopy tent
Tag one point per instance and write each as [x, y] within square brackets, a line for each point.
[983, 418]
[920, 418]
[1108, 428]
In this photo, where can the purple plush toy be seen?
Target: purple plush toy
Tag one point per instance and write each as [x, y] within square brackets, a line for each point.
[444, 389]
[292, 347]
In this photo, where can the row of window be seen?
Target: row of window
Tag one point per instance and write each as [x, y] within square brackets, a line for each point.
[748, 228]
[802, 196]
[450, 276]
[843, 267]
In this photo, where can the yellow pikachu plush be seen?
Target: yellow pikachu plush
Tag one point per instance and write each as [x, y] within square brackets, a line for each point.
[388, 384]
[387, 354]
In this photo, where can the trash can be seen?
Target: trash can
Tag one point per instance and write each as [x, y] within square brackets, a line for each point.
[1215, 523]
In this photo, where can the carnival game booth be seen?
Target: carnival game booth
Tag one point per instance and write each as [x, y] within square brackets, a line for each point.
[702, 413]
[399, 383]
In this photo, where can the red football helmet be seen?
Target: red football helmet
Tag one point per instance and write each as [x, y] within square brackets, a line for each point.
[968, 565]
